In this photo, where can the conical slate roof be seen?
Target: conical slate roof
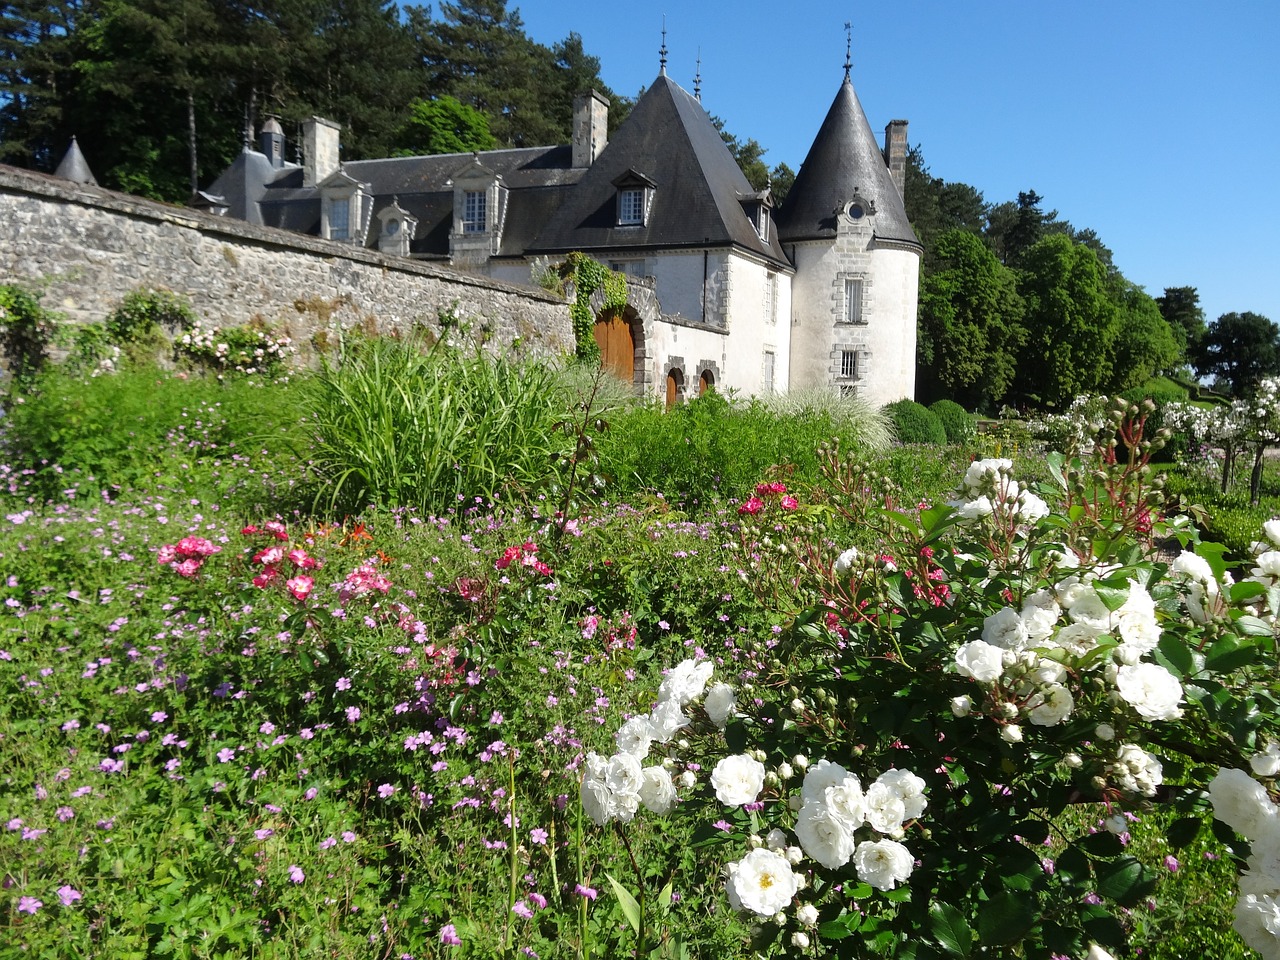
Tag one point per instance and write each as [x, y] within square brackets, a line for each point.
[75, 167]
[669, 140]
[844, 159]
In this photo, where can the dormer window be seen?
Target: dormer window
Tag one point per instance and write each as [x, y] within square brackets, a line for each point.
[398, 227]
[474, 210]
[635, 196]
[340, 218]
[757, 206]
[630, 206]
[345, 208]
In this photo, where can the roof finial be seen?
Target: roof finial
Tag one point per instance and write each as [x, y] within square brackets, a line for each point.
[697, 79]
[848, 48]
[662, 52]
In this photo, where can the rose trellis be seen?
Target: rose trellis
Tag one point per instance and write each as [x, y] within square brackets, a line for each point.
[964, 690]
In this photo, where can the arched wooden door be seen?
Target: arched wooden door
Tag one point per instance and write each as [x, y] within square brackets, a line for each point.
[675, 387]
[706, 382]
[617, 348]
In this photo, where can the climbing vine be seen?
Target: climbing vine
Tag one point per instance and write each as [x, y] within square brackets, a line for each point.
[588, 276]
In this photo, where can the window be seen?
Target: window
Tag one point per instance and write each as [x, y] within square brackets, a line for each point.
[630, 268]
[631, 206]
[848, 390]
[473, 212]
[762, 223]
[853, 301]
[767, 380]
[339, 219]
[849, 364]
[771, 298]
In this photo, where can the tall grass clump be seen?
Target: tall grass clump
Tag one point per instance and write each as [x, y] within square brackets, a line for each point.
[399, 424]
[712, 448]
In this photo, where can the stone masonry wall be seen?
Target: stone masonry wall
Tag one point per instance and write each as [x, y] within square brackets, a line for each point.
[86, 247]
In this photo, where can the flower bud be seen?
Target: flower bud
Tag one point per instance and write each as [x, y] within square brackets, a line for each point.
[794, 803]
[800, 940]
[1105, 731]
[961, 706]
[1099, 783]
[807, 915]
[797, 706]
[1073, 760]
[785, 772]
[682, 743]
[777, 839]
[1116, 824]
[754, 841]
[801, 761]
[688, 780]
[1008, 710]
[1011, 733]
[794, 855]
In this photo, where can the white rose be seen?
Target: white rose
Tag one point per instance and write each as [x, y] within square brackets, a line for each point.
[980, 660]
[883, 863]
[1078, 638]
[658, 792]
[596, 800]
[807, 915]
[738, 779]
[821, 775]
[1097, 953]
[844, 562]
[720, 704]
[1241, 803]
[1257, 920]
[1031, 508]
[974, 509]
[824, 836]
[1151, 690]
[665, 719]
[1263, 875]
[685, 681]
[1051, 705]
[1005, 629]
[1267, 763]
[634, 737]
[1272, 530]
[1040, 615]
[1089, 609]
[962, 706]
[688, 780]
[1011, 733]
[886, 809]
[785, 771]
[909, 788]
[1268, 564]
[1194, 567]
[761, 882]
[1105, 731]
[1136, 770]
[984, 473]
[846, 801]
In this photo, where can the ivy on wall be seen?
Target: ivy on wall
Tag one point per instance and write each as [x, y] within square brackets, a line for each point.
[588, 276]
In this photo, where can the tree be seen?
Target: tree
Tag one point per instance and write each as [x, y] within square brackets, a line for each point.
[1180, 307]
[1144, 344]
[443, 125]
[970, 323]
[1071, 320]
[935, 206]
[37, 54]
[1239, 349]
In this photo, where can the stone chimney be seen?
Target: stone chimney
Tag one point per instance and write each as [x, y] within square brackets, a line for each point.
[895, 154]
[319, 150]
[271, 142]
[590, 127]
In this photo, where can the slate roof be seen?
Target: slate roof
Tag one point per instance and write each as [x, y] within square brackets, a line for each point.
[75, 167]
[844, 159]
[669, 138]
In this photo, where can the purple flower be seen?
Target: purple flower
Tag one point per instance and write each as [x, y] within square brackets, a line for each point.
[449, 935]
[226, 755]
[538, 836]
[353, 714]
[65, 813]
[267, 727]
[344, 683]
[263, 833]
[521, 909]
[538, 900]
[68, 895]
[310, 794]
[1171, 863]
[159, 717]
[295, 873]
[348, 837]
[29, 905]
[386, 790]
[589, 892]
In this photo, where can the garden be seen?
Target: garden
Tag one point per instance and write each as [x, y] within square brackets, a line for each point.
[419, 653]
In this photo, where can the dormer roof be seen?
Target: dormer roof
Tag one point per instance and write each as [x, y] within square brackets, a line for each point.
[845, 161]
[669, 140]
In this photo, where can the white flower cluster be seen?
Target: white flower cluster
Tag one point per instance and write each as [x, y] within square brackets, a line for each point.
[1074, 431]
[265, 351]
[1243, 804]
[989, 489]
[1267, 555]
[1203, 593]
[613, 788]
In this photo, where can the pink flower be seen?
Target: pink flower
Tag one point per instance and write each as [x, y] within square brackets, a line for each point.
[521, 909]
[386, 790]
[344, 683]
[449, 935]
[295, 873]
[166, 555]
[751, 507]
[29, 905]
[538, 836]
[187, 568]
[302, 560]
[353, 714]
[300, 586]
[69, 895]
[589, 892]
[789, 503]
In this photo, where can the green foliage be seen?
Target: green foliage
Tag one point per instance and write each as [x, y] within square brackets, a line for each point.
[27, 330]
[1239, 349]
[1145, 345]
[1180, 307]
[146, 321]
[443, 125]
[398, 426]
[956, 421]
[970, 323]
[915, 423]
[248, 350]
[587, 276]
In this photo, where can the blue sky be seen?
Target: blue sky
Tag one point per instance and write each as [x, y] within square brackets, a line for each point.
[1157, 125]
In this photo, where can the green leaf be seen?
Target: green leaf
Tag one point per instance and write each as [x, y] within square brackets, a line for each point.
[1229, 654]
[1105, 929]
[1006, 917]
[950, 929]
[841, 927]
[1252, 627]
[1176, 654]
[1101, 844]
[630, 908]
[1181, 832]
[1113, 598]
[1125, 881]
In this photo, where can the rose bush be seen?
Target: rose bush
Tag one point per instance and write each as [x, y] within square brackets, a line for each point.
[987, 667]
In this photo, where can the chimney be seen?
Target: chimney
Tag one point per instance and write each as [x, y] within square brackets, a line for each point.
[590, 127]
[271, 142]
[895, 154]
[319, 150]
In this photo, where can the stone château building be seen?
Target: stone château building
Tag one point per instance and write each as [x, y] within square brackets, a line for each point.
[725, 290]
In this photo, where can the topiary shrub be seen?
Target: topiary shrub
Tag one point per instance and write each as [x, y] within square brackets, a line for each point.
[956, 421]
[915, 423]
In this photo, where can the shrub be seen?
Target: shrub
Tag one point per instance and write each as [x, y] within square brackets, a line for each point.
[250, 350]
[146, 320]
[401, 427]
[915, 423]
[27, 330]
[955, 420]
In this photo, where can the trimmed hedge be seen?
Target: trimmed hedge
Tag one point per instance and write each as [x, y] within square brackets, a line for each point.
[955, 420]
[915, 423]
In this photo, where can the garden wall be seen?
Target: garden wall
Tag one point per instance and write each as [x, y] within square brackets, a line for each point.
[86, 247]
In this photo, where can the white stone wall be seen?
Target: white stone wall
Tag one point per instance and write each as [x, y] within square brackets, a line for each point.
[884, 339]
[757, 327]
